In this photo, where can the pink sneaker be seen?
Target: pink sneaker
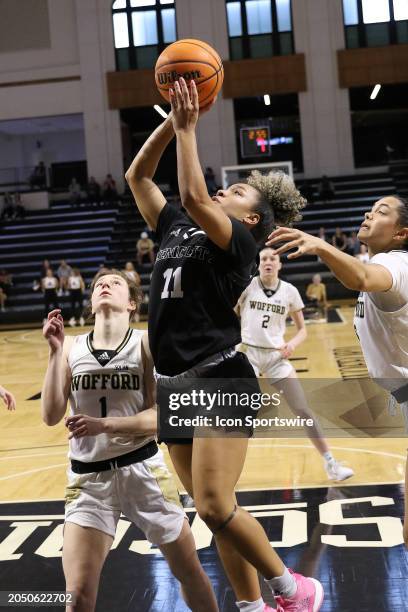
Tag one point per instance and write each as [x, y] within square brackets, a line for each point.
[308, 597]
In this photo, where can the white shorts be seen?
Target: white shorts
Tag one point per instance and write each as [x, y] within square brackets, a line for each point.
[267, 363]
[144, 492]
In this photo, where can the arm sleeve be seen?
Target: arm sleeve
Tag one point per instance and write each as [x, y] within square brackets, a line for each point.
[242, 249]
[397, 265]
[168, 216]
[296, 302]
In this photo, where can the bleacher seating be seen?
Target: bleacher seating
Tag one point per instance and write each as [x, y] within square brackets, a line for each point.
[89, 236]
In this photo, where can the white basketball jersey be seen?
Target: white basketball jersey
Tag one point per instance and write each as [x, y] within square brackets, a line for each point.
[50, 282]
[381, 324]
[263, 317]
[113, 389]
[74, 282]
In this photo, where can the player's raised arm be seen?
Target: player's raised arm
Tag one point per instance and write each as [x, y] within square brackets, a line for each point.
[193, 190]
[56, 385]
[149, 199]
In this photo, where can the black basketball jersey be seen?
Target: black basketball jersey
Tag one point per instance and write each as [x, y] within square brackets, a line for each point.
[194, 288]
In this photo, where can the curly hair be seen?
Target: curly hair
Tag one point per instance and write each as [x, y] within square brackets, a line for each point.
[280, 201]
[135, 293]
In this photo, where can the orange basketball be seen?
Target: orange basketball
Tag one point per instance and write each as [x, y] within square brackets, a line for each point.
[190, 59]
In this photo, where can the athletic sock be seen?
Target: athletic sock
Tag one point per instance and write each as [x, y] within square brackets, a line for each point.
[251, 606]
[284, 585]
[328, 456]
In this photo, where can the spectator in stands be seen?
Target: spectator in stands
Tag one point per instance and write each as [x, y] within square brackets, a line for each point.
[307, 191]
[316, 292]
[64, 272]
[93, 192]
[363, 255]
[19, 208]
[39, 177]
[74, 192]
[326, 189]
[339, 239]
[144, 248]
[76, 288]
[9, 210]
[209, 178]
[3, 299]
[6, 282]
[110, 192]
[353, 244]
[322, 233]
[131, 273]
[49, 286]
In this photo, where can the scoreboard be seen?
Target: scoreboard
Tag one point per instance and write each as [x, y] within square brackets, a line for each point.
[255, 141]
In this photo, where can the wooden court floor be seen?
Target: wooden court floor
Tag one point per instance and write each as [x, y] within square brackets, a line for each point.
[33, 457]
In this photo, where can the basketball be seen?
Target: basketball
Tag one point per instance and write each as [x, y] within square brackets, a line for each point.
[190, 59]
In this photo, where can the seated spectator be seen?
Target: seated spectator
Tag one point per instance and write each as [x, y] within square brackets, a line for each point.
[74, 192]
[307, 191]
[363, 255]
[316, 292]
[3, 298]
[19, 208]
[6, 282]
[353, 244]
[38, 177]
[322, 233]
[339, 239]
[64, 272]
[93, 192]
[76, 288]
[49, 286]
[326, 189]
[144, 248]
[131, 273]
[9, 209]
[209, 178]
[110, 193]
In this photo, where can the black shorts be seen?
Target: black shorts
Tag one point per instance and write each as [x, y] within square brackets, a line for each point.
[234, 375]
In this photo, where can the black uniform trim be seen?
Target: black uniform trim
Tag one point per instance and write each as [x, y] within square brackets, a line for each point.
[104, 356]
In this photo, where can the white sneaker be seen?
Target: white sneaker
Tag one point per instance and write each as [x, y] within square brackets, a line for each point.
[72, 322]
[60, 293]
[336, 471]
[82, 321]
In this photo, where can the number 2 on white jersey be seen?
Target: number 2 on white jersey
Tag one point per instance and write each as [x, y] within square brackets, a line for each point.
[177, 291]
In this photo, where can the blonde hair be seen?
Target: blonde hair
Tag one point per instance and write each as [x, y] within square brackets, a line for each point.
[280, 192]
[135, 293]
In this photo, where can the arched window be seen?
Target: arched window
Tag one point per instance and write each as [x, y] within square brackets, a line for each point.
[375, 23]
[259, 28]
[141, 29]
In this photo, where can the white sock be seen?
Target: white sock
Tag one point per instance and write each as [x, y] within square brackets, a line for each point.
[284, 585]
[328, 456]
[251, 606]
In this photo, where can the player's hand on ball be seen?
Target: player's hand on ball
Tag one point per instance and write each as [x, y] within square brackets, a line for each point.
[81, 425]
[305, 244]
[184, 106]
[287, 350]
[8, 398]
[53, 330]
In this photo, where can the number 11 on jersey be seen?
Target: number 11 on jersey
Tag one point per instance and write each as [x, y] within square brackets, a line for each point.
[168, 275]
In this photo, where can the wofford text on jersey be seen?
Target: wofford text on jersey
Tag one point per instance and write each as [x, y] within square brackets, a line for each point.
[267, 307]
[109, 380]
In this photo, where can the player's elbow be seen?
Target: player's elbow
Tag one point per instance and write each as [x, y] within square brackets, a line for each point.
[49, 419]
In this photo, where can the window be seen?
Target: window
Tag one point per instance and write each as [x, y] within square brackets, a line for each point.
[141, 29]
[375, 23]
[259, 28]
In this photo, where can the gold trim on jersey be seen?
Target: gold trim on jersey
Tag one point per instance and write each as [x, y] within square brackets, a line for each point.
[166, 484]
[117, 350]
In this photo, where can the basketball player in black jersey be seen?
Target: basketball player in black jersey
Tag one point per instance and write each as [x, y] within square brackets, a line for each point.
[205, 261]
